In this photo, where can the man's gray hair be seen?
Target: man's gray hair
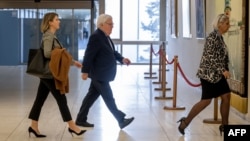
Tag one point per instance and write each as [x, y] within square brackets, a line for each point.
[219, 19]
[102, 19]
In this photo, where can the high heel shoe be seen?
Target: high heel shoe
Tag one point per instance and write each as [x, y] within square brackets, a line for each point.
[182, 125]
[221, 128]
[30, 130]
[78, 134]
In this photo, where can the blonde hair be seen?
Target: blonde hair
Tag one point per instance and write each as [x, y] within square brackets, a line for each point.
[48, 17]
[221, 18]
[102, 19]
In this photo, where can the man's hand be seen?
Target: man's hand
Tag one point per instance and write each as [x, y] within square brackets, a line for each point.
[126, 61]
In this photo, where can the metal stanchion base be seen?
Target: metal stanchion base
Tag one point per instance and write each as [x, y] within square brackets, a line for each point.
[166, 70]
[159, 82]
[173, 108]
[151, 77]
[160, 89]
[212, 121]
[163, 98]
[149, 72]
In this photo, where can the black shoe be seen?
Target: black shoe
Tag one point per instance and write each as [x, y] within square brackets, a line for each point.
[85, 124]
[78, 134]
[221, 128]
[126, 122]
[30, 130]
[182, 125]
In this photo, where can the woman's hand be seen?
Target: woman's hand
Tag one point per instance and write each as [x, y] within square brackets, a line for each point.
[85, 76]
[226, 74]
[77, 64]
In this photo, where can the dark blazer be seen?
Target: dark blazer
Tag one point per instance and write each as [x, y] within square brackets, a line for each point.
[100, 59]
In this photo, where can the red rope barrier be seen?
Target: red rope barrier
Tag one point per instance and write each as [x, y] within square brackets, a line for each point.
[159, 53]
[156, 54]
[185, 78]
[165, 59]
[178, 66]
[170, 62]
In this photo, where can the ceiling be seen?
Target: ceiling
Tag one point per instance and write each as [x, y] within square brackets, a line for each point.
[42, 0]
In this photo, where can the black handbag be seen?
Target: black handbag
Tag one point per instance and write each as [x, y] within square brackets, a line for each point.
[38, 65]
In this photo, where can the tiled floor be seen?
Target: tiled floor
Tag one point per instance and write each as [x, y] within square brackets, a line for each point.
[134, 95]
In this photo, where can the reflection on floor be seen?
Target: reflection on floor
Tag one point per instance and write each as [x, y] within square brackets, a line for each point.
[134, 95]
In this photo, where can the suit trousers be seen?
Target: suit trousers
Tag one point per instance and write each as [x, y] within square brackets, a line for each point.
[96, 89]
[46, 86]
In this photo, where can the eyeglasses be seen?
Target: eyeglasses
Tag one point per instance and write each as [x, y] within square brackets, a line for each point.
[110, 24]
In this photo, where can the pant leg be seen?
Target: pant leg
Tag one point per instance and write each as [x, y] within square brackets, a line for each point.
[60, 99]
[87, 102]
[42, 94]
[107, 95]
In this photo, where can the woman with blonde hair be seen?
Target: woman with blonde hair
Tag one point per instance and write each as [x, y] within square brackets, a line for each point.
[213, 72]
[50, 24]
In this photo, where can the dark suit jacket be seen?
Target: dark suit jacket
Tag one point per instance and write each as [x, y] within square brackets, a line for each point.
[100, 57]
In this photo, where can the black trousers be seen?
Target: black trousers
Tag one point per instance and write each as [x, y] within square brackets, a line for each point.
[96, 89]
[46, 86]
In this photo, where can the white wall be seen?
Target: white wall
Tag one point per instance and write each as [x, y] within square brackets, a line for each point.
[188, 50]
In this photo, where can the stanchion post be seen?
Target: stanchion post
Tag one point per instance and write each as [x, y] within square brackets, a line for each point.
[150, 65]
[160, 65]
[214, 120]
[163, 72]
[174, 107]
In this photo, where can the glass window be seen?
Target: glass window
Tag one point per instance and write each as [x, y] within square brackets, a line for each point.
[112, 7]
[140, 53]
[83, 19]
[24, 24]
[143, 24]
[73, 33]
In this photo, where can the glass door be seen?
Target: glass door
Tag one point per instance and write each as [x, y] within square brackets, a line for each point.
[75, 27]
[73, 33]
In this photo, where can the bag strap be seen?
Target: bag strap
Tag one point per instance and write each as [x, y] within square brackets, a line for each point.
[54, 39]
[57, 42]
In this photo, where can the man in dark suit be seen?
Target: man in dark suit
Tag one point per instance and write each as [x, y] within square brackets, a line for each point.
[99, 64]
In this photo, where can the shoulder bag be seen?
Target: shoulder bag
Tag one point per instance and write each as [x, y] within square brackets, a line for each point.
[38, 65]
